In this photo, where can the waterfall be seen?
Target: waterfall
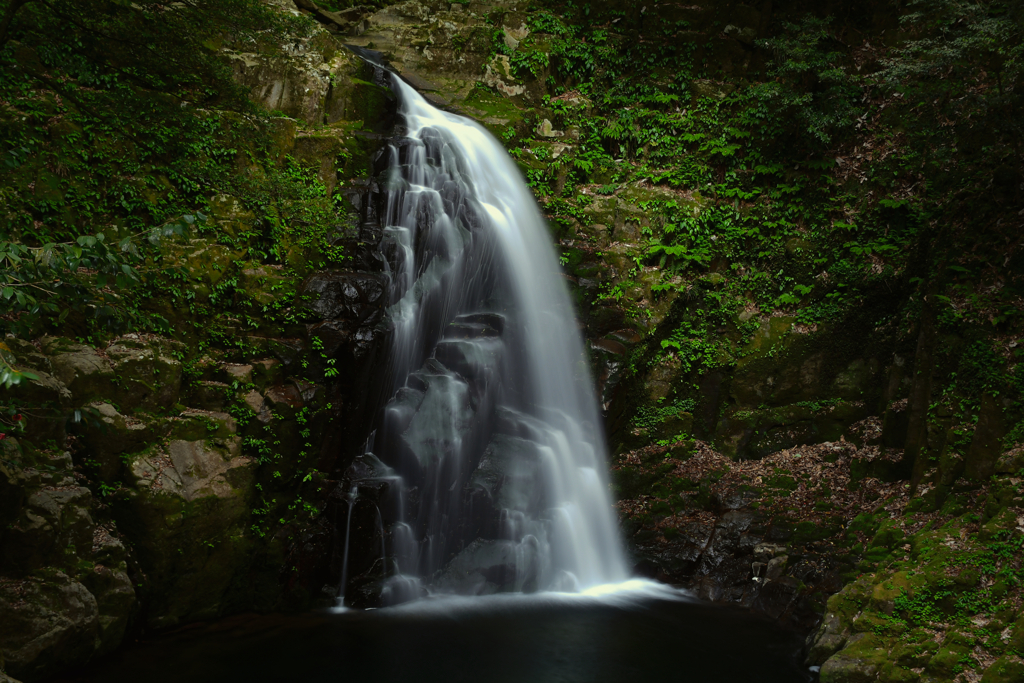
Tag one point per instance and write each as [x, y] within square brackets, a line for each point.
[492, 439]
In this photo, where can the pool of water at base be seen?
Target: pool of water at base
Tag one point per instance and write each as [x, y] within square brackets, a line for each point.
[614, 636]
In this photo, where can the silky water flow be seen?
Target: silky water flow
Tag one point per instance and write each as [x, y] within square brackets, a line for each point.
[488, 468]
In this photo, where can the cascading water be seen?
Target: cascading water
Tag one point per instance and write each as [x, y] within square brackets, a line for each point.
[491, 446]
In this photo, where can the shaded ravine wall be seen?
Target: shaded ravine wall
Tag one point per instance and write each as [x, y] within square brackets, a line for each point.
[167, 479]
[784, 384]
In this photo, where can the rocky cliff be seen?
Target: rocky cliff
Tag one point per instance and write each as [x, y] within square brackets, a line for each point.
[803, 326]
[151, 479]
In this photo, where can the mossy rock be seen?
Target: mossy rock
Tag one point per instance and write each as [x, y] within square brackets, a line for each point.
[186, 513]
[281, 131]
[47, 623]
[200, 425]
[231, 216]
[948, 660]
[884, 595]
[1016, 641]
[108, 437]
[297, 87]
[320, 150]
[893, 672]
[355, 99]
[1007, 669]
[852, 382]
[148, 374]
[858, 662]
[262, 283]
[1002, 494]
[748, 434]
[848, 603]
[915, 649]
[78, 367]
[888, 535]
[205, 262]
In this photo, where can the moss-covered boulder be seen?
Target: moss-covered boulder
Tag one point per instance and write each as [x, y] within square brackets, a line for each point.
[81, 369]
[859, 662]
[1008, 669]
[187, 511]
[230, 215]
[137, 371]
[147, 372]
[53, 522]
[296, 85]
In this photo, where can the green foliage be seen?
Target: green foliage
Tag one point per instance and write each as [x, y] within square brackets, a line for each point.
[167, 49]
[84, 275]
[651, 415]
[115, 120]
[810, 80]
[953, 45]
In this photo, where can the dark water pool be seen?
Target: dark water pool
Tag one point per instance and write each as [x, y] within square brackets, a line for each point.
[497, 640]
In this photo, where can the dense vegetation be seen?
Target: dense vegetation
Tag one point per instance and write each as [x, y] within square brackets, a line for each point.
[872, 183]
[848, 186]
[121, 121]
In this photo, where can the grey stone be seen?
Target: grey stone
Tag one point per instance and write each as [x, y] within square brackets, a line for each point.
[51, 521]
[776, 566]
[46, 625]
[487, 567]
[196, 469]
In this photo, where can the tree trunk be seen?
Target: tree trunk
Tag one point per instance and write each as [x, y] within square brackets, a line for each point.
[5, 23]
[915, 452]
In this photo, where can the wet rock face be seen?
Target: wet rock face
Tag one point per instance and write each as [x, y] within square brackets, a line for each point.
[357, 298]
[441, 420]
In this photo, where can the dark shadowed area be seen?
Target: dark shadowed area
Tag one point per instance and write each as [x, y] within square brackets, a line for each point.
[510, 639]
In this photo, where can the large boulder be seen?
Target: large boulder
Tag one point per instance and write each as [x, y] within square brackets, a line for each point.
[81, 369]
[49, 516]
[46, 624]
[507, 483]
[138, 372]
[108, 436]
[65, 595]
[198, 469]
[858, 662]
[54, 521]
[187, 511]
[299, 84]
[487, 567]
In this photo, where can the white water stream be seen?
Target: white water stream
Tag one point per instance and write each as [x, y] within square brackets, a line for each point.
[493, 431]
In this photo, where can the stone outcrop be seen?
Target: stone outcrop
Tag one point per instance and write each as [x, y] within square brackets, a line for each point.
[152, 484]
[65, 593]
[148, 518]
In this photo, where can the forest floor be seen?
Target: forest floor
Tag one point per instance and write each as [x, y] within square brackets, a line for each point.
[807, 537]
